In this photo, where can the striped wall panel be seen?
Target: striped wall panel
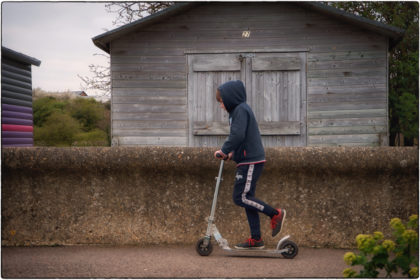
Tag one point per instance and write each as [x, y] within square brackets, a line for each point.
[16, 99]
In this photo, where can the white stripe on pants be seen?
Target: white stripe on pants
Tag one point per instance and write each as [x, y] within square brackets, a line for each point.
[247, 188]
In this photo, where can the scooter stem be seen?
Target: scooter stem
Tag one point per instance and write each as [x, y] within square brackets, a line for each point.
[213, 207]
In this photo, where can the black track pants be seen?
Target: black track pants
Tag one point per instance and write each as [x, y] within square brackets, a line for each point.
[244, 195]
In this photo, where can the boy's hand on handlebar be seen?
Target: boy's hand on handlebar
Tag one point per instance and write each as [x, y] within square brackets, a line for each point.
[220, 155]
[230, 155]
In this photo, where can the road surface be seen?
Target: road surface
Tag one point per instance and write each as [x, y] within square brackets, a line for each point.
[163, 262]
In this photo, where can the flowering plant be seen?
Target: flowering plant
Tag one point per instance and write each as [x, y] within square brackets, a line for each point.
[376, 253]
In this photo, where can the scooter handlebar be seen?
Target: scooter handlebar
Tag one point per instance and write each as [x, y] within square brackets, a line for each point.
[218, 155]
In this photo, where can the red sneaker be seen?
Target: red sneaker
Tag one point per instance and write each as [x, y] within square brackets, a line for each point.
[277, 221]
[251, 244]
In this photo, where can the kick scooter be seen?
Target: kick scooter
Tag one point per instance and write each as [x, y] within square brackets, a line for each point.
[285, 247]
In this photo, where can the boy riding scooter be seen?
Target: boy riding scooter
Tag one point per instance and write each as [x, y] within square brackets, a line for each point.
[245, 147]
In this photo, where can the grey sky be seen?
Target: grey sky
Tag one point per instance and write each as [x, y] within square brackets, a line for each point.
[59, 34]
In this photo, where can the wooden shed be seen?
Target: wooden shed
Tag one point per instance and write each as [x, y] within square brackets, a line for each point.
[314, 75]
[16, 98]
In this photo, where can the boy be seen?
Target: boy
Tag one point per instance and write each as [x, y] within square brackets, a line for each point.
[244, 146]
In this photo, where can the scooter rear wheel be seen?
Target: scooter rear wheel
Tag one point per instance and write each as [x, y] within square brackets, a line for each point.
[203, 250]
[292, 249]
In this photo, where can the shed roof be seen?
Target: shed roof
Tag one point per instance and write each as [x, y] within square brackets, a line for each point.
[393, 33]
[6, 52]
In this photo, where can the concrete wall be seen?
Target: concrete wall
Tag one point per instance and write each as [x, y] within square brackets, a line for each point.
[161, 195]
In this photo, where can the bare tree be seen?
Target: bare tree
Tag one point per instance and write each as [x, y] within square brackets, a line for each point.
[100, 78]
[127, 12]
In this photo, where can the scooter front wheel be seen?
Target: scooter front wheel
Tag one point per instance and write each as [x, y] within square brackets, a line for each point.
[202, 249]
[292, 249]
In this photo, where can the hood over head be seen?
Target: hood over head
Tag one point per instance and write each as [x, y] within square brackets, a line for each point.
[233, 93]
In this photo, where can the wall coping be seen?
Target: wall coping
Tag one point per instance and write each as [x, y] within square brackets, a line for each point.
[338, 159]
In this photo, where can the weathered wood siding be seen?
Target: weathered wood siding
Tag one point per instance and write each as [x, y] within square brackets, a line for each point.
[346, 72]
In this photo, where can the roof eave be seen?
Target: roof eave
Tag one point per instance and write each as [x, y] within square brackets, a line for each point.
[103, 46]
[102, 40]
[20, 56]
[394, 34]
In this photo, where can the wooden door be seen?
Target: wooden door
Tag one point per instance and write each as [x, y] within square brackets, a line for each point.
[275, 84]
[277, 95]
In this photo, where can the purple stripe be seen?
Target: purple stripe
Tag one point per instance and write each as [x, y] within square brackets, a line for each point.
[16, 108]
[17, 145]
[17, 115]
[15, 121]
[17, 134]
[12, 141]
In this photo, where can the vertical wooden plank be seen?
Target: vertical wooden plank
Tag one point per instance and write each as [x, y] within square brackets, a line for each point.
[295, 86]
[288, 104]
[114, 141]
[385, 142]
[248, 75]
[250, 90]
[216, 113]
[283, 97]
[208, 96]
[194, 102]
[275, 96]
[255, 92]
[199, 106]
[207, 108]
[189, 99]
[262, 101]
[276, 140]
[303, 103]
[259, 96]
[265, 98]
[294, 96]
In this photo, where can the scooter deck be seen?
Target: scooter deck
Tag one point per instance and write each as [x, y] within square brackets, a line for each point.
[266, 251]
[255, 252]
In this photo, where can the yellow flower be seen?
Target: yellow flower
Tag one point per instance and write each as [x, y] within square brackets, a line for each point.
[410, 235]
[378, 235]
[395, 221]
[349, 273]
[365, 241]
[377, 249]
[413, 218]
[349, 257]
[413, 222]
[389, 245]
[397, 225]
[414, 272]
[360, 238]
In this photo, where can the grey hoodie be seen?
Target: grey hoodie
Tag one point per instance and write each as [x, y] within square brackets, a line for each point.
[244, 138]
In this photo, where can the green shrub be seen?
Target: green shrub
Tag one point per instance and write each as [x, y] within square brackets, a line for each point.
[63, 121]
[377, 253]
[44, 107]
[95, 137]
[87, 111]
[59, 130]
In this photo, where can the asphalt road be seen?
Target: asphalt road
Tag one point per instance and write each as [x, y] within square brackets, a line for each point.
[163, 262]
